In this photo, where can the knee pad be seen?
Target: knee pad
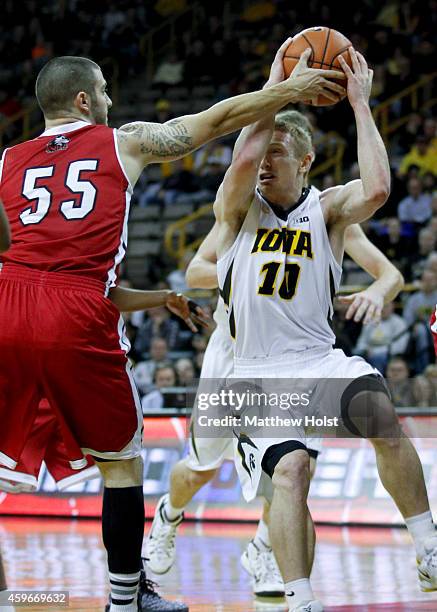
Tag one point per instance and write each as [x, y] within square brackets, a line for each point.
[368, 398]
[275, 453]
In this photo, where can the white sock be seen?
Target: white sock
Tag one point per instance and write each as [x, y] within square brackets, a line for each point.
[298, 591]
[124, 590]
[170, 511]
[262, 537]
[421, 527]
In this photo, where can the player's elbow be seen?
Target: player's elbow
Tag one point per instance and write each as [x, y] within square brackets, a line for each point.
[377, 197]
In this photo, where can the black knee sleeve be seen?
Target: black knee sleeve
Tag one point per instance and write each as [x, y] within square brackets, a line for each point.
[275, 453]
[370, 408]
[123, 528]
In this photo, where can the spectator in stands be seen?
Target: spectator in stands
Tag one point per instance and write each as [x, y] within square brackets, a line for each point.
[421, 155]
[145, 370]
[164, 377]
[417, 261]
[430, 373]
[158, 324]
[170, 71]
[197, 69]
[394, 243]
[399, 383]
[185, 371]
[408, 134]
[163, 111]
[198, 362]
[416, 207]
[417, 311]
[378, 341]
[420, 305]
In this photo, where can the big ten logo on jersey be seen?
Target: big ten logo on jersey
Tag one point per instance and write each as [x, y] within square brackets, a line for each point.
[289, 241]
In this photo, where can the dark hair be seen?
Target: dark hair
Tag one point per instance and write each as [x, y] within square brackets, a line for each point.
[61, 79]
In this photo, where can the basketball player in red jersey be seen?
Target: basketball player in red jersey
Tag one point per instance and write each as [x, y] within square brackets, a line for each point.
[67, 194]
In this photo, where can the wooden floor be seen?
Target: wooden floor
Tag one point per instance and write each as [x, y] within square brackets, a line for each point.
[362, 570]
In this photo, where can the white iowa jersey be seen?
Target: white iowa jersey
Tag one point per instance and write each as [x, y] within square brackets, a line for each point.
[278, 280]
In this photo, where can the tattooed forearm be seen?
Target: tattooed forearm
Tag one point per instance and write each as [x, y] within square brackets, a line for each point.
[160, 140]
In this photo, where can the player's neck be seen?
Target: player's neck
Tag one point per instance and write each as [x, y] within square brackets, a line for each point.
[72, 118]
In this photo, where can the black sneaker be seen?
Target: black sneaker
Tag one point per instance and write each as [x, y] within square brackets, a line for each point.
[150, 601]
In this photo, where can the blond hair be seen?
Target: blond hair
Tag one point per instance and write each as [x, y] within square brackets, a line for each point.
[299, 128]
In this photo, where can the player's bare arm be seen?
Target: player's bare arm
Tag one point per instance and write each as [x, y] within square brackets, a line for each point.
[234, 197]
[358, 200]
[143, 143]
[202, 269]
[131, 300]
[367, 305]
[5, 234]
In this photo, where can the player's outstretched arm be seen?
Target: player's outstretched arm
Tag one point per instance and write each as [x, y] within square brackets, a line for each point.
[359, 199]
[367, 305]
[143, 143]
[5, 233]
[202, 269]
[132, 300]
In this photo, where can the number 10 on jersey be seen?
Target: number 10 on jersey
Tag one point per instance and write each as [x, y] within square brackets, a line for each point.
[287, 289]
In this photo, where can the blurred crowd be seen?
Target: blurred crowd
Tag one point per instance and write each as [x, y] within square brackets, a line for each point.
[231, 56]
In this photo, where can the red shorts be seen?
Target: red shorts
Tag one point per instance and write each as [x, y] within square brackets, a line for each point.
[61, 339]
[45, 443]
[433, 324]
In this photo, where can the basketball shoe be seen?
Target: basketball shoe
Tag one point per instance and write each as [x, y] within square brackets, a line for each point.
[427, 565]
[261, 566]
[160, 544]
[150, 601]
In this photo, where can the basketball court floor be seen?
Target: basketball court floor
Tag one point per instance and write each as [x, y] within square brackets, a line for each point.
[355, 569]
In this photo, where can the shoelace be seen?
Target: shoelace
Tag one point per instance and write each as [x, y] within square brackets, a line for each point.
[147, 585]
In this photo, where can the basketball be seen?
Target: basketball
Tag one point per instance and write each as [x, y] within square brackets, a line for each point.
[326, 47]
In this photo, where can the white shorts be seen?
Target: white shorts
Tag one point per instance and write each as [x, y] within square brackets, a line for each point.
[218, 362]
[310, 367]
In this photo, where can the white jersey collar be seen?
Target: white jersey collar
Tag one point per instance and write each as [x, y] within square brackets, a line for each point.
[65, 128]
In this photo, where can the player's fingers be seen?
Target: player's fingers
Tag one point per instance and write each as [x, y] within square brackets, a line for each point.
[329, 94]
[353, 308]
[346, 68]
[305, 56]
[362, 309]
[191, 325]
[330, 74]
[200, 322]
[345, 299]
[370, 314]
[376, 315]
[362, 60]
[355, 63]
[334, 87]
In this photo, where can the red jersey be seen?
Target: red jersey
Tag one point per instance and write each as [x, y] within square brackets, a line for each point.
[67, 199]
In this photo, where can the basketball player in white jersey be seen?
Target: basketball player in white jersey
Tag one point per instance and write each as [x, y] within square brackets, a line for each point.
[280, 248]
[206, 455]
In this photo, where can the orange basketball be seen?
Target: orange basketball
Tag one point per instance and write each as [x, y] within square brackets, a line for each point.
[326, 47]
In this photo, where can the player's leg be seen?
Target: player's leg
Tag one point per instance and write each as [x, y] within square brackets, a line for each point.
[188, 476]
[290, 524]
[258, 558]
[88, 382]
[399, 468]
